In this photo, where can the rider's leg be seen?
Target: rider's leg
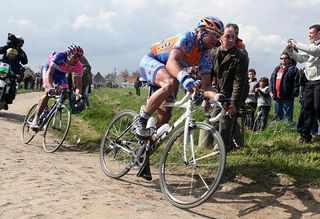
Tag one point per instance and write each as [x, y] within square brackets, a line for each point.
[42, 104]
[168, 84]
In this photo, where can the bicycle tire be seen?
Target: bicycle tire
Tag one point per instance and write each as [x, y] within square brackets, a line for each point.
[27, 134]
[187, 184]
[56, 129]
[114, 160]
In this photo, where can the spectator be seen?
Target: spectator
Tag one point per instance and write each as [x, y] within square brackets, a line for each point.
[284, 86]
[263, 104]
[251, 98]
[310, 55]
[315, 131]
[239, 42]
[86, 80]
[137, 86]
[230, 76]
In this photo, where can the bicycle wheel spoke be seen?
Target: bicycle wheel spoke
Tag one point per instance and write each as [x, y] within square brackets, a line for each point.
[117, 145]
[27, 133]
[188, 183]
[56, 129]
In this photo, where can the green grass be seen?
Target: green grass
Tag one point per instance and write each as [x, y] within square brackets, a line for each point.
[268, 156]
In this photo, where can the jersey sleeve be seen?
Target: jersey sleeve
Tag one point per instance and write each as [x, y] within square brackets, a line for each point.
[184, 42]
[78, 69]
[206, 63]
[57, 59]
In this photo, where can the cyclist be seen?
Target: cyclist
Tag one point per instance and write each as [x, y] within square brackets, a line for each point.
[163, 68]
[55, 72]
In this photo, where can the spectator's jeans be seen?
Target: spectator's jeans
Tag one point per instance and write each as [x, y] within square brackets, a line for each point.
[230, 130]
[250, 116]
[311, 106]
[138, 91]
[85, 94]
[283, 110]
[262, 118]
[316, 123]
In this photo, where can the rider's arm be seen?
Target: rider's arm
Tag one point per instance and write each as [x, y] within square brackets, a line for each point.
[175, 69]
[49, 76]
[78, 83]
[78, 73]
[173, 65]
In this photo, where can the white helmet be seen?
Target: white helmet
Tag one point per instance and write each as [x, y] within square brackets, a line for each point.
[20, 38]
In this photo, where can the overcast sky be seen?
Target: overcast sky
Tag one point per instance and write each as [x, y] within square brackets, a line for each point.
[117, 33]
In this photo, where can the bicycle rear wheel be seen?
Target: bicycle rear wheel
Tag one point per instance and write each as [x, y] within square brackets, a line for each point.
[56, 129]
[27, 133]
[189, 184]
[117, 144]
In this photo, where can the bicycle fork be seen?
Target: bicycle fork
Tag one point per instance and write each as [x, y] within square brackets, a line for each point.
[188, 136]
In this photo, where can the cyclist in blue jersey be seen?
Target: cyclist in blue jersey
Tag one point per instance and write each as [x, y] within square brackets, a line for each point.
[164, 69]
[55, 72]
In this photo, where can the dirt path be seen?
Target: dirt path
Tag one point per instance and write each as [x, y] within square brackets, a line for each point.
[68, 184]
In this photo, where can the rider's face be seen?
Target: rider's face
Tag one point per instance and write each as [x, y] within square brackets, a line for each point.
[210, 39]
[72, 59]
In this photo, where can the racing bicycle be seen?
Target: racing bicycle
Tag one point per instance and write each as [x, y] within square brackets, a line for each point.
[189, 171]
[54, 122]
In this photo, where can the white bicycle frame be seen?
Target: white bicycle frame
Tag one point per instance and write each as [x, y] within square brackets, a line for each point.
[186, 102]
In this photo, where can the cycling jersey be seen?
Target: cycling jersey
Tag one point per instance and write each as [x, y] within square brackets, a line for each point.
[59, 62]
[160, 51]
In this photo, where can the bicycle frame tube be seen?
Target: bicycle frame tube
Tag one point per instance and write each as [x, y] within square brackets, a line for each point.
[186, 133]
[186, 103]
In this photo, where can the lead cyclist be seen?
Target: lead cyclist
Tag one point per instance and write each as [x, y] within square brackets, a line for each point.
[55, 72]
[163, 68]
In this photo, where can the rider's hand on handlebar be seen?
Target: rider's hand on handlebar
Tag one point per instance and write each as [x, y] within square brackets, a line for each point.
[51, 91]
[78, 97]
[187, 81]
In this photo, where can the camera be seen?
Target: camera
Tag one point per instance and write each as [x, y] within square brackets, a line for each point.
[12, 41]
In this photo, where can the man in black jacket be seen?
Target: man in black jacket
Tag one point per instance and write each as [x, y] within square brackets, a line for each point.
[284, 86]
[14, 55]
[229, 74]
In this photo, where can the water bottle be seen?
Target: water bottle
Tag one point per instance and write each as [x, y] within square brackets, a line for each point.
[164, 128]
[151, 123]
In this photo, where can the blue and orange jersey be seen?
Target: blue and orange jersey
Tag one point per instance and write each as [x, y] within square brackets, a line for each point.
[59, 61]
[186, 42]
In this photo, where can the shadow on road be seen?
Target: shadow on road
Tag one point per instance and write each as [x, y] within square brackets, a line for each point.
[274, 196]
[12, 117]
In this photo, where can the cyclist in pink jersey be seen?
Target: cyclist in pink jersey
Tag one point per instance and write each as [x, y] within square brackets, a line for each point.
[55, 72]
[164, 68]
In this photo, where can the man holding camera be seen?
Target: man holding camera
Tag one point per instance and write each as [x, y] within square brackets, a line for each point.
[14, 55]
[310, 55]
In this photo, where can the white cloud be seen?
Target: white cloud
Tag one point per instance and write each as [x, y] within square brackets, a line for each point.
[305, 3]
[102, 22]
[21, 22]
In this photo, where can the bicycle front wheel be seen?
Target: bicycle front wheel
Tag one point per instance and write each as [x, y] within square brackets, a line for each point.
[56, 129]
[27, 133]
[117, 145]
[188, 179]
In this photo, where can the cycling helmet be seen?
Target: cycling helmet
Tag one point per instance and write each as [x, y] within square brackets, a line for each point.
[21, 40]
[75, 50]
[210, 23]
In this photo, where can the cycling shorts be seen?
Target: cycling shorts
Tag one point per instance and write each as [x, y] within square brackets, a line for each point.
[149, 68]
[59, 79]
